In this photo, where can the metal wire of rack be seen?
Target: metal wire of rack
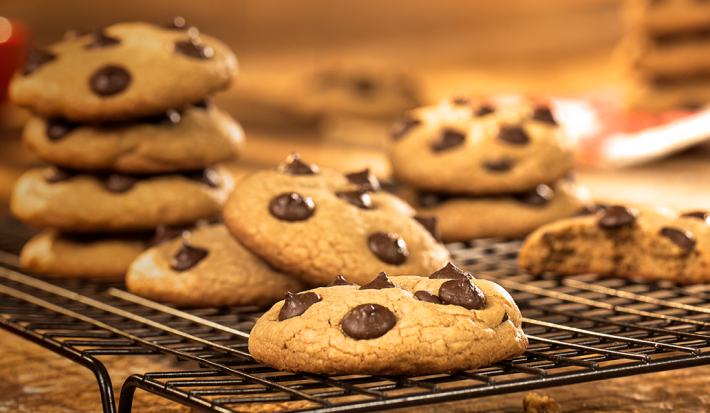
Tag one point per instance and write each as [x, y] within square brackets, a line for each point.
[581, 328]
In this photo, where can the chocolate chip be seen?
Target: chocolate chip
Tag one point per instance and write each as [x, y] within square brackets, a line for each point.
[297, 304]
[194, 48]
[427, 297]
[450, 272]
[165, 233]
[207, 176]
[448, 139]
[704, 215]
[364, 87]
[388, 247]
[462, 293]
[365, 180]
[109, 80]
[506, 317]
[514, 135]
[541, 195]
[402, 125]
[100, 40]
[432, 199]
[544, 114]
[617, 216]
[484, 110]
[58, 128]
[379, 283]
[360, 199]
[501, 165]
[430, 224]
[680, 237]
[368, 321]
[35, 59]
[57, 174]
[294, 166]
[118, 183]
[187, 257]
[292, 207]
[340, 280]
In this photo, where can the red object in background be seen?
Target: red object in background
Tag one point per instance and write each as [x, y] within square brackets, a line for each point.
[14, 40]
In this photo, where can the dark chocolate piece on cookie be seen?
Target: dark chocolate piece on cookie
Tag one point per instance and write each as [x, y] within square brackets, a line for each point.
[540, 195]
[109, 80]
[501, 165]
[680, 237]
[448, 139]
[402, 125]
[35, 60]
[506, 317]
[294, 166]
[59, 128]
[100, 40]
[187, 257]
[388, 247]
[359, 198]
[292, 207]
[118, 183]
[617, 216]
[462, 293]
[484, 110]
[704, 215]
[193, 47]
[544, 114]
[297, 304]
[379, 283]
[427, 297]
[340, 280]
[430, 224]
[514, 135]
[368, 321]
[364, 179]
[450, 272]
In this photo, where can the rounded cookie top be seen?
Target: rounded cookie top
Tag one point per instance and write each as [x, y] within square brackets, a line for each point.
[82, 202]
[207, 267]
[123, 71]
[399, 325]
[314, 222]
[475, 147]
[193, 138]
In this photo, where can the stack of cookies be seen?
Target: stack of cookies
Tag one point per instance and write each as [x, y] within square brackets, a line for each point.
[486, 169]
[664, 54]
[122, 116]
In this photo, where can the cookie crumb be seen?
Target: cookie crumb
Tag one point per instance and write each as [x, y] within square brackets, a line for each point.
[535, 403]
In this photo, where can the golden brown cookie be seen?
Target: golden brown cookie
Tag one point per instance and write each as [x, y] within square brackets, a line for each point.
[401, 325]
[314, 222]
[81, 202]
[669, 55]
[666, 16]
[193, 138]
[207, 267]
[479, 148]
[654, 243]
[123, 71]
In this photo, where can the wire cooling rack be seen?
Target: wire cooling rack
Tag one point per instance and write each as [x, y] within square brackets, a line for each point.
[580, 328]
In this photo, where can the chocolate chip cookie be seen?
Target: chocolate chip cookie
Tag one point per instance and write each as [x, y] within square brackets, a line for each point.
[111, 202]
[207, 267]
[173, 141]
[480, 148]
[313, 222]
[461, 218]
[651, 243]
[400, 325]
[123, 71]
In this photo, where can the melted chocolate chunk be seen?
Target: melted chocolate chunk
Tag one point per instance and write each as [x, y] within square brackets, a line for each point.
[430, 224]
[462, 293]
[617, 216]
[680, 237]
[514, 135]
[109, 80]
[59, 128]
[541, 195]
[57, 174]
[207, 176]
[297, 304]
[101, 40]
[448, 139]
[506, 317]
[364, 87]
[360, 199]
[379, 283]
[187, 257]
[118, 183]
[194, 48]
[544, 114]
[294, 166]
[501, 165]
[388, 247]
[450, 272]
[165, 233]
[340, 280]
[365, 180]
[427, 297]
[402, 125]
[432, 199]
[35, 60]
[704, 215]
[484, 110]
[368, 321]
[292, 207]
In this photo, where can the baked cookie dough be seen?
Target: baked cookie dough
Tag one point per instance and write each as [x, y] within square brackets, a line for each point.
[207, 267]
[82, 202]
[669, 55]
[313, 222]
[462, 218]
[664, 16]
[123, 71]
[480, 148]
[406, 325]
[651, 243]
[190, 139]
[644, 92]
[56, 255]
